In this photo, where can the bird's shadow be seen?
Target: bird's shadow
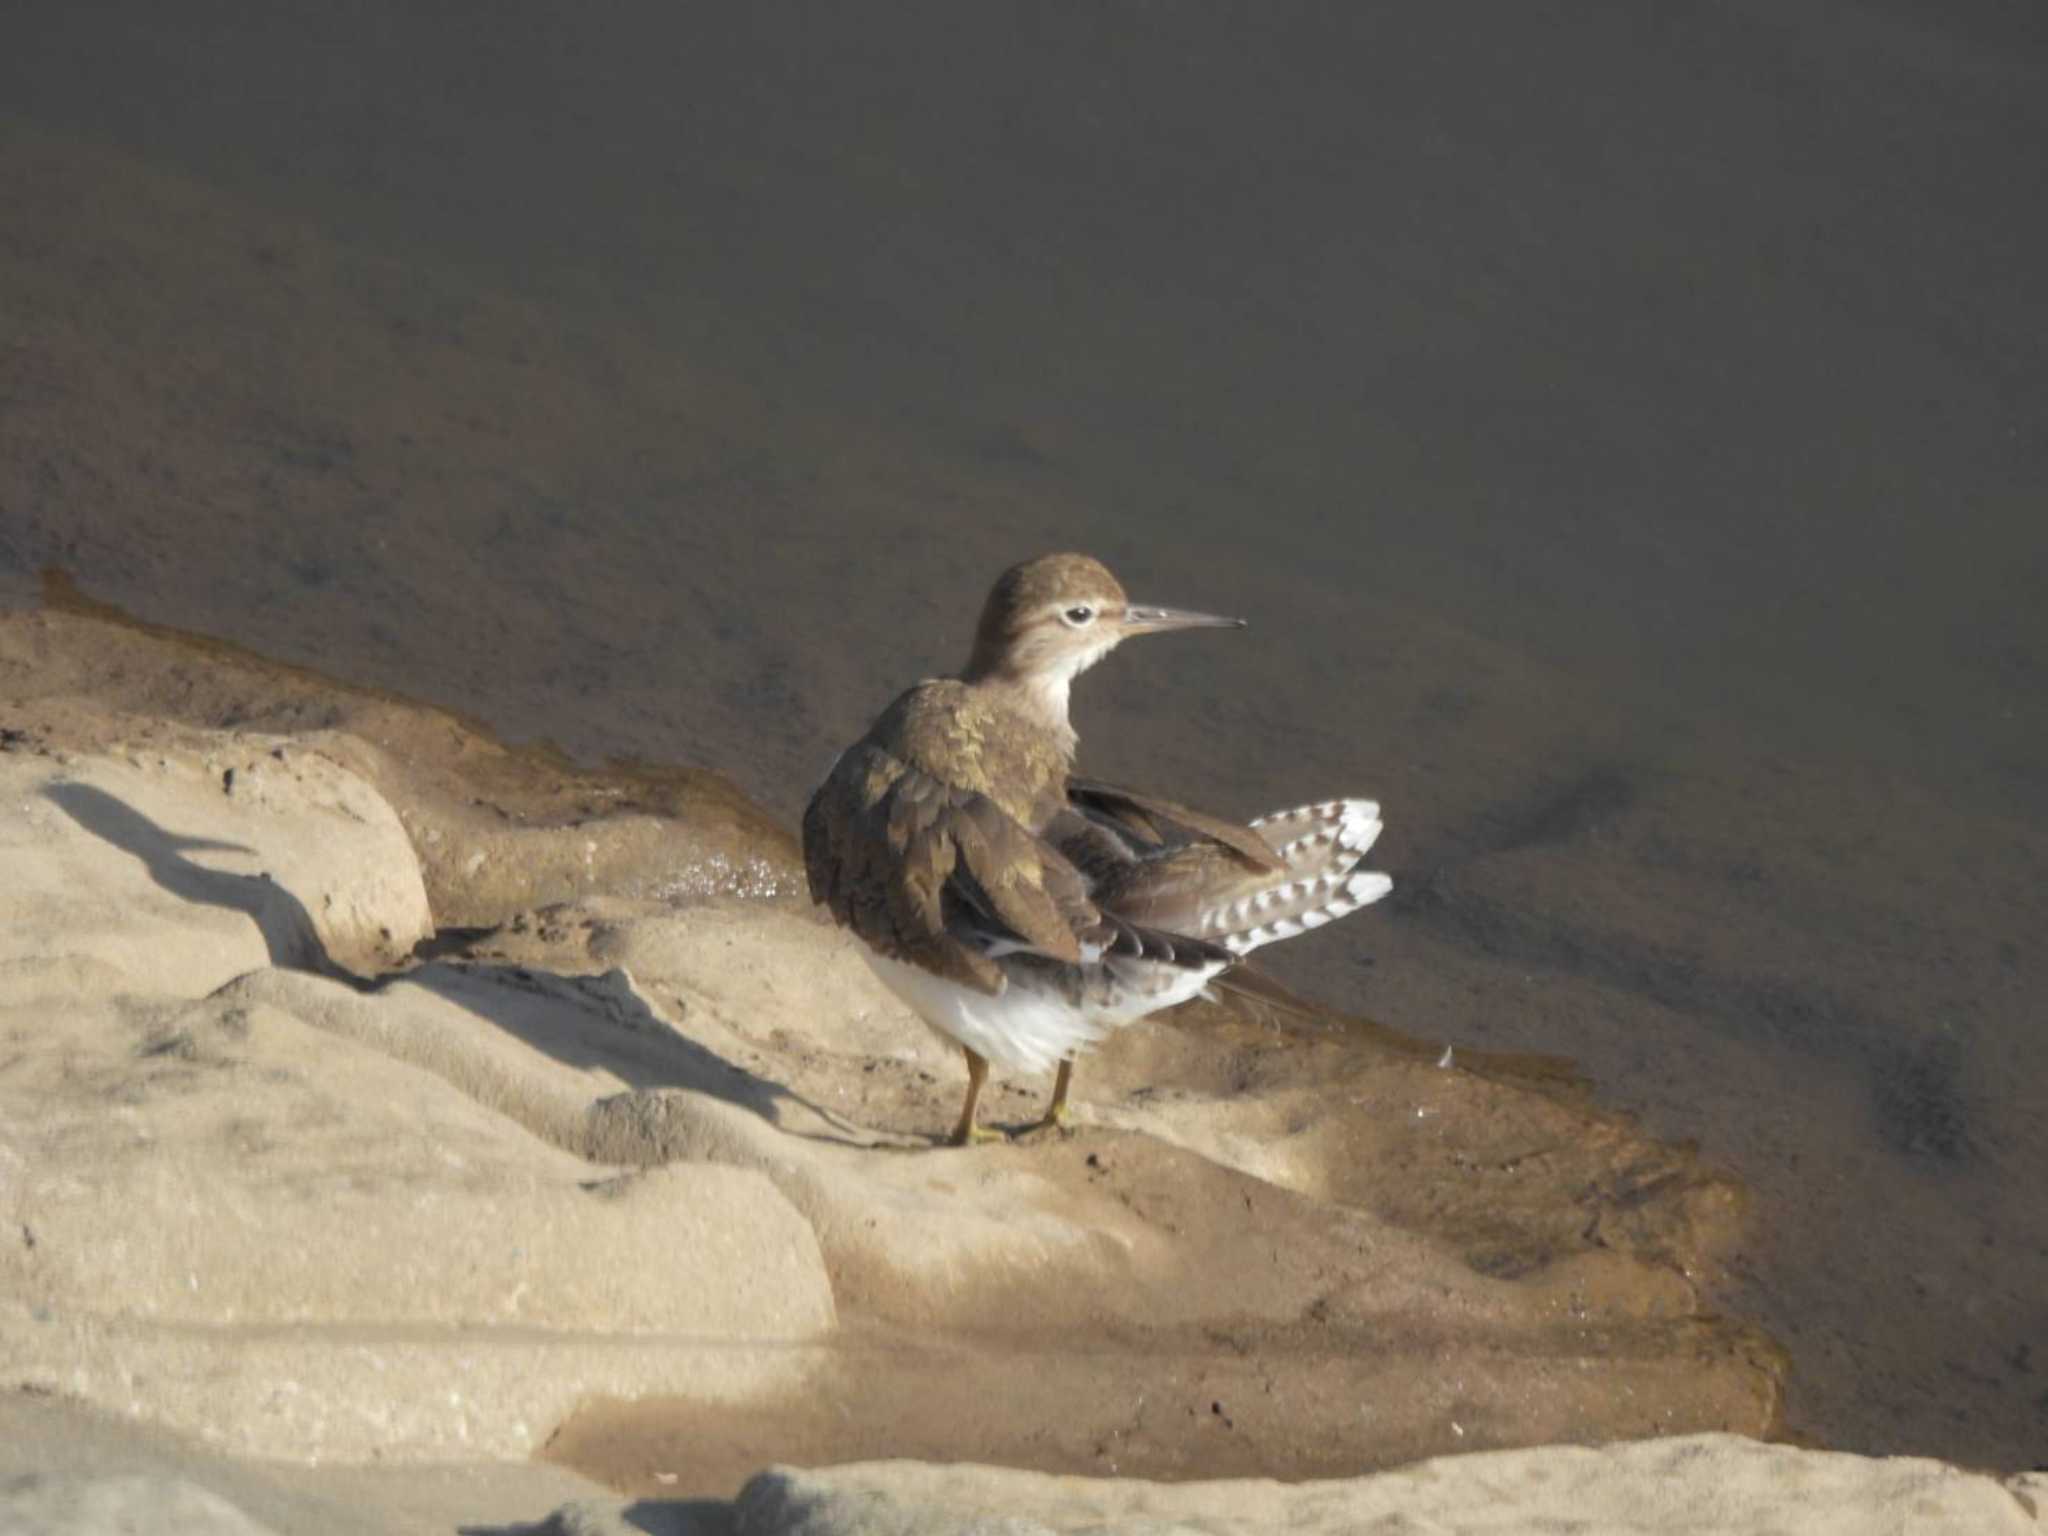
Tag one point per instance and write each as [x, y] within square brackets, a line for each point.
[593, 1023]
[280, 917]
[553, 1013]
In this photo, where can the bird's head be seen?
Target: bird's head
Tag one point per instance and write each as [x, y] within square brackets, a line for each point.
[1050, 619]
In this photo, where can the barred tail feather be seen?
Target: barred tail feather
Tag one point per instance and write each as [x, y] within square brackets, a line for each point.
[1320, 839]
[1320, 846]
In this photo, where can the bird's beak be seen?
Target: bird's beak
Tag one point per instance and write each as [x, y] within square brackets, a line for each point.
[1142, 619]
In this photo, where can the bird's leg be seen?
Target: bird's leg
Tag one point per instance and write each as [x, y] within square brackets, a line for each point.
[1056, 1112]
[967, 1131]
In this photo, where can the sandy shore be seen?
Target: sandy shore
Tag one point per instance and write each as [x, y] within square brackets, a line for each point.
[380, 1097]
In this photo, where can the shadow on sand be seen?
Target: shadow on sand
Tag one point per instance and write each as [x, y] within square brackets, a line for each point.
[587, 1022]
[287, 928]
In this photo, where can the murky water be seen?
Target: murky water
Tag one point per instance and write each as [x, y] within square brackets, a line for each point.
[1624, 432]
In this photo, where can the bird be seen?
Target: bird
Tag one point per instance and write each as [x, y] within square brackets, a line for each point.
[1024, 911]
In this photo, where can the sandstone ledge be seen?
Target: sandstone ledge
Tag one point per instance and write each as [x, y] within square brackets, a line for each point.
[1708, 1483]
[630, 1157]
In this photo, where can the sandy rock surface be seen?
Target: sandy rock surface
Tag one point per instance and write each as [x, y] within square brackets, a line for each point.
[176, 869]
[1712, 1485]
[72, 1506]
[59, 1458]
[640, 1170]
[1721, 1484]
[203, 1135]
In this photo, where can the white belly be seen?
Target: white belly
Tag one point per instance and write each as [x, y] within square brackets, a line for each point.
[1026, 1028]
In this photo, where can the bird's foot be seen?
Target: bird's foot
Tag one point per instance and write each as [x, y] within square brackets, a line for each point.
[968, 1134]
[1057, 1118]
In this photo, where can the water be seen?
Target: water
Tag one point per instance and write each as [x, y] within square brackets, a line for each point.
[1624, 432]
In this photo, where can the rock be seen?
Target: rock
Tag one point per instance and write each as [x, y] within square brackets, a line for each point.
[182, 867]
[256, 1171]
[230, 1204]
[774, 980]
[118, 1506]
[650, 1163]
[47, 1439]
[393, 1394]
[1720, 1484]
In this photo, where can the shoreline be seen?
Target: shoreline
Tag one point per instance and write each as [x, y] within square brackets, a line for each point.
[574, 910]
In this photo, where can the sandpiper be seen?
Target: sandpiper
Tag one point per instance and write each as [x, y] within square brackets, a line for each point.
[1021, 911]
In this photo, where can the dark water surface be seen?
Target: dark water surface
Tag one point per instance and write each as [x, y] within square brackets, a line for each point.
[1625, 428]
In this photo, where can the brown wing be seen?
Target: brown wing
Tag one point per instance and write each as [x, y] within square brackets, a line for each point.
[1160, 825]
[935, 875]
[1156, 863]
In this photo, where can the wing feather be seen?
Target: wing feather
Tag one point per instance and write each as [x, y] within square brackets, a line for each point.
[1156, 863]
[1157, 824]
[937, 875]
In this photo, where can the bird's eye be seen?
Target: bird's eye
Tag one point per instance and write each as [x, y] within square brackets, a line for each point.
[1079, 614]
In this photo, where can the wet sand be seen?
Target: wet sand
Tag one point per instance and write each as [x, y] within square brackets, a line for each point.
[1626, 445]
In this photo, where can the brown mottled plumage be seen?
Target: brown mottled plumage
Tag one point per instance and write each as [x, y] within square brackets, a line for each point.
[1024, 912]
